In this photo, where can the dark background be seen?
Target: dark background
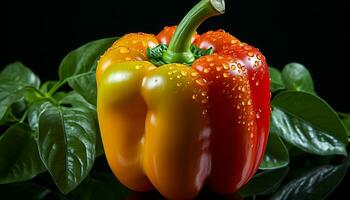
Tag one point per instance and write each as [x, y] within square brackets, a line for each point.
[312, 32]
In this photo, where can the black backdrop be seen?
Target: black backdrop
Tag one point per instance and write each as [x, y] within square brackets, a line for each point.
[312, 32]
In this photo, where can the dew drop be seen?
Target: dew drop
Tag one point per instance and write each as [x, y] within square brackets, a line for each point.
[144, 43]
[138, 66]
[206, 70]
[226, 74]
[204, 111]
[258, 114]
[219, 68]
[209, 59]
[256, 64]
[204, 100]
[184, 73]
[194, 74]
[249, 102]
[201, 82]
[234, 41]
[247, 48]
[123, 50]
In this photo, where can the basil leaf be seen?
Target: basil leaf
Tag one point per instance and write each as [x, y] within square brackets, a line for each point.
[67, 138]
[276, 82]
[19, 157]
[276, 153]
[317, 184]
[79, 67]
[309, 123]
[264, 182]
[297, 77]
[13, 80]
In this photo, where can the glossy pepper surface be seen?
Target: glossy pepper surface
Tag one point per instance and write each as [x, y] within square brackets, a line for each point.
[179, 110]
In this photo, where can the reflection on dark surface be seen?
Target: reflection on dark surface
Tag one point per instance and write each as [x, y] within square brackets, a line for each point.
[204, 194]
[307, 177]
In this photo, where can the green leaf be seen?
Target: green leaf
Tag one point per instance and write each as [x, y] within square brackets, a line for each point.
[264, 182]
[13, 80]
[346, 122]
[67, 138]
[24, 190]
[32, 94]
[309, 123]
[19, 157]
[276, 82]
[45, 87]
[34, 112]
[79, 66]
[76, 100]
[317, 184]
[276, 153]
[297, 77]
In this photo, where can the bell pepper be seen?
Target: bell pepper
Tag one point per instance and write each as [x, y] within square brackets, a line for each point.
[178, 110]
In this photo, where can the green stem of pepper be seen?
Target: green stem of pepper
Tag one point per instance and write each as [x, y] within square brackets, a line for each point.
[179, 47]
